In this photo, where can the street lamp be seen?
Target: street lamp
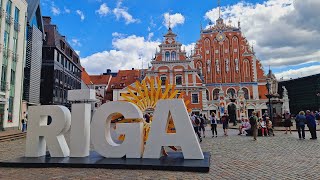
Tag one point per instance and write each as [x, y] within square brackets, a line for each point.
[269, 96]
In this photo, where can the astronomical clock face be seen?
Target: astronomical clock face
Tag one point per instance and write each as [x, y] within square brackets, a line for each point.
[170, 40]
[221, 36]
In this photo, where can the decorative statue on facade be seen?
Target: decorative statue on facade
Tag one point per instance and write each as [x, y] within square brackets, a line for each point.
[227, 65]
[217, 65]
[208, 65]
[237, 64]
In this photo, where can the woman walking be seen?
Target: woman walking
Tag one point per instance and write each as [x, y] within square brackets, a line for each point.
[300, 124]
[225, 123]
[213, 121]
[287, 122]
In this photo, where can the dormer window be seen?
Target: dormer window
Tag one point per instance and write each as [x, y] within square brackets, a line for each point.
[124, 77]
[173, 56]
[122, 84]
[112, 86]
[62, 44]
[167, 56]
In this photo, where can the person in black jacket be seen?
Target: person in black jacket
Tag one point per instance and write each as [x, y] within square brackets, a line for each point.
[202, 124]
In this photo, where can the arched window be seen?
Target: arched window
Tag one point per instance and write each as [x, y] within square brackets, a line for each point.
[207, 94]
[167, 55]
[216, 94]
[231, 93]
[173, 56]
[246, 93]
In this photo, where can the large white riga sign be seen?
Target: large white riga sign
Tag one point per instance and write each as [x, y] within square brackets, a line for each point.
[83, 130]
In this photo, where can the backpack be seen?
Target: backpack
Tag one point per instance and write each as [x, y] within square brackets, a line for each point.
[253, 121]
[202, 120]
[197, 121]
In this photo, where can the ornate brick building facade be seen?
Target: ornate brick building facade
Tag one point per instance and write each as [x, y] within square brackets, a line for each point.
[171, 64]
[223, 73]
[232, 74]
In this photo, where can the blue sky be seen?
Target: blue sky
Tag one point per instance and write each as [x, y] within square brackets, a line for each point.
[122, 28]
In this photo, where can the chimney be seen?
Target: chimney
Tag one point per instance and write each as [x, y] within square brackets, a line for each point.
[46, 19]
[108, 71]
[132, 69]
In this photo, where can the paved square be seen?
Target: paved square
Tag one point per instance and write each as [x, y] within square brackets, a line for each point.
[233, 157]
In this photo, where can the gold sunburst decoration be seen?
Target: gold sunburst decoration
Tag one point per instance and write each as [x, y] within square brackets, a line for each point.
[145, 95]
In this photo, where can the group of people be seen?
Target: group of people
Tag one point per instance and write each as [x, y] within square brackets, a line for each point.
[308, 118]
[249, 126]
[198, 123]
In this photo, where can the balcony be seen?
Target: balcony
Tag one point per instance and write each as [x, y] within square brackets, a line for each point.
[5, 52]
[2, 12]
[16, 26]
[15, 57]
[4, 86]
[9, 19]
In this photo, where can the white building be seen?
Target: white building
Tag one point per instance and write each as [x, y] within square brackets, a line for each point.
[12, 55]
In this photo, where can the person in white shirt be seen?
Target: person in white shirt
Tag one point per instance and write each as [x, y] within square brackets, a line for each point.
[242, 125]
[213, 121]
[263, 127]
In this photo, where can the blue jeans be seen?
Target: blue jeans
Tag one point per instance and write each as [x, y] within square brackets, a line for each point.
[24, 127]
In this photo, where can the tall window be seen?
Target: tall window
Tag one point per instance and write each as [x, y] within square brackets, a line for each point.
[173, 56]
[246, 93]
[163, 80]
[207, 94]
[16, 14]
[6, 39]
[216, 94]
[8, 8]
[231, 93]
[195, 98]
[178, 80]
[167, 56]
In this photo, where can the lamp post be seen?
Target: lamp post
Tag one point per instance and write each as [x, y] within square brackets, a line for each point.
[269, 96]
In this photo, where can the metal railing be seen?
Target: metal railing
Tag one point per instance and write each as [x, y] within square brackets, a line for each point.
[8, 19]
[15, 57]
[5, 52]
[16, 26]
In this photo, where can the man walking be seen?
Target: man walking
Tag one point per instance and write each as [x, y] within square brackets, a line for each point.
[311, 123]
[196, 123]
[254, 122]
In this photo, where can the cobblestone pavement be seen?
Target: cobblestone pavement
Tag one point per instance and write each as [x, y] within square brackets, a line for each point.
[233, 157]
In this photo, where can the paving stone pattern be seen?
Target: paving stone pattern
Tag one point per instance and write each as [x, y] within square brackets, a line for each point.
[283, 156]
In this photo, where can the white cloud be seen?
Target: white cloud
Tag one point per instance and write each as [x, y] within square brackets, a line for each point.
[173, 19]
[103, 10]
[75, 42]
[296, 73]
[80, 13]
[285, 32]
[66, 10]
[55, 10]
[125, 54]
[122, 12]
[188, 48]
[150, 35]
